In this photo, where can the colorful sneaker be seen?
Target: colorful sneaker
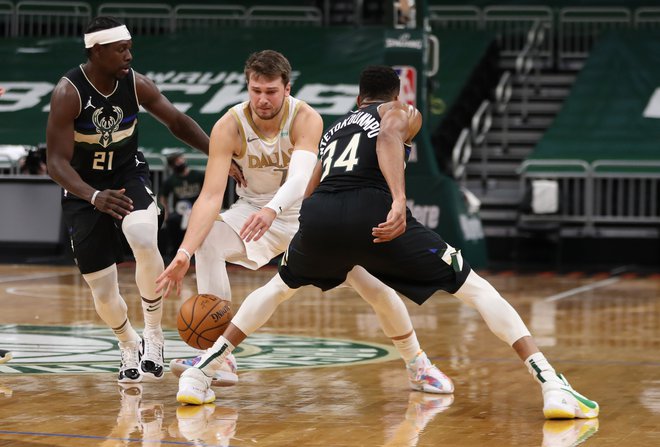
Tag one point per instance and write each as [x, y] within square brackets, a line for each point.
[5, 356]
[561, 401]
[195, 388]
[568, 433]
[225, 377]
[129, 369]
[152, 365]
[425, 376]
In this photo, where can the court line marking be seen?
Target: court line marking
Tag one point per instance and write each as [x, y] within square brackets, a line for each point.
[35, 276]
[577, 290]
[109, 438]
[614, 278]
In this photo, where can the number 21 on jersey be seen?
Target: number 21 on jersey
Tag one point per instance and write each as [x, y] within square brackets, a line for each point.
[103, 161]
[347, 159]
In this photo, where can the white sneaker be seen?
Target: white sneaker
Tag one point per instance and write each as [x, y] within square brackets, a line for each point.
[129, 369]
[425, 376]
[561, 401]
[195, 388]
[152, 365]
[226, 376]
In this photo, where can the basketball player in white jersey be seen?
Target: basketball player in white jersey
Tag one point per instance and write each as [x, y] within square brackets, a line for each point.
[274, 138]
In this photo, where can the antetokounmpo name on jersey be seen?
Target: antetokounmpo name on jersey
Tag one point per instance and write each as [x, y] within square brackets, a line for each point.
[365, 120]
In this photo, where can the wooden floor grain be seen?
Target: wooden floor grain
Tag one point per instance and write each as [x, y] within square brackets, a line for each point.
[603, 334]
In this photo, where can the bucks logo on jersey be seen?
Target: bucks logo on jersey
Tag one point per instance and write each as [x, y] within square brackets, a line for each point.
[107, 125]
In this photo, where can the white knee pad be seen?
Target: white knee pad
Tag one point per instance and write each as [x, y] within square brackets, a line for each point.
[392, 313]
[109, 304]
[260, 305]
[221, 243]
[141, 231]
[501, 318]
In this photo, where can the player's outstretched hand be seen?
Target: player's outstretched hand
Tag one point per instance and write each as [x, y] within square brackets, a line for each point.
[173, 275]
[257, 224]
[114, 202]
[394, 226]
[236, 173]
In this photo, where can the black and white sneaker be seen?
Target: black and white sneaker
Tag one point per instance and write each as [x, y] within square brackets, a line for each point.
[151, 364]
[129, 370]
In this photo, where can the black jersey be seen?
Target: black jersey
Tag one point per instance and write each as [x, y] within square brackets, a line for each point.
[105, 130]
[348, 151]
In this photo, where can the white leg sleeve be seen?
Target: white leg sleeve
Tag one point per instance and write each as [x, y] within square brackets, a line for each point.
[109, 304]
[260, 305]
[141, 231]
[392, 313]
[499, 315]
[221, 243]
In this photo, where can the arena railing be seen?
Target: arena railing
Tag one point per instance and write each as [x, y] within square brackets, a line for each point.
[626, 191]
[284, 16]
[51, 18]
[202, 18]
[7, 12]
[145, 19]
[512, 26]
[580, 27]
[645, 18]
[575, 191]
[455, 17]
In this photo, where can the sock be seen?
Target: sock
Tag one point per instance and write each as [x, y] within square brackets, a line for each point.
[214, 357]
[153, 313]
[539, 367]
[125, 332]
[408, 347]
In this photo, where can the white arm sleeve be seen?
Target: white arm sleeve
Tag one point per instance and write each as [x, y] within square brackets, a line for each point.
[301, 167]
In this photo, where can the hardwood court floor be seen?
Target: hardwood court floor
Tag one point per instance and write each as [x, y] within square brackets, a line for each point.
[605, 338]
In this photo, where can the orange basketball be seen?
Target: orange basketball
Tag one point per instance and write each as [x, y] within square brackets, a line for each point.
[202, 320]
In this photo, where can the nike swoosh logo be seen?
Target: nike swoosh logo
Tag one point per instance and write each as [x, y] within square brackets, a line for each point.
[582, 399]
[252, 139]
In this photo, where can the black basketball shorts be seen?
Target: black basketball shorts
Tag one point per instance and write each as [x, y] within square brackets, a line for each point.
[96, 238]
[335, 235]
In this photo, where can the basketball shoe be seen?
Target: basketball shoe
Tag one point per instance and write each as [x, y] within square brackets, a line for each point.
[129, 369]
[226, 376]
[568, 433]
[152, 366]
[5, 356]
[425, 376]
[561, 401]
[195, 388]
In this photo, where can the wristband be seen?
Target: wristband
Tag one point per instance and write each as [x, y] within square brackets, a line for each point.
[185, 252]
[96, 193]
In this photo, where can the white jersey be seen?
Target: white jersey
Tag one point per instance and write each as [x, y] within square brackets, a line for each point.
[264, 161]
[265, 165]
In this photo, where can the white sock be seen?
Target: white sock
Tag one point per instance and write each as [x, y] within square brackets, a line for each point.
[214, 357]
[141, 230]
[408, 347]
[539, 367]
[153, 314]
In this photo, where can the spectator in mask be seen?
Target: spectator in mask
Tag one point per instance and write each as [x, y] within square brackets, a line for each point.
[182, 187]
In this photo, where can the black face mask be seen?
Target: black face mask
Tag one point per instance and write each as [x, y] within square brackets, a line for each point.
[178, 169]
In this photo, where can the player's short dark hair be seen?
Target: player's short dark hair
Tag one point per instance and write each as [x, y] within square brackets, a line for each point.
[269, 64]
[102, 22]
[379, 82]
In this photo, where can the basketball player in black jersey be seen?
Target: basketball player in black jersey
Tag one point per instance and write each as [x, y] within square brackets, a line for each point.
[92, 139]
[357, 215]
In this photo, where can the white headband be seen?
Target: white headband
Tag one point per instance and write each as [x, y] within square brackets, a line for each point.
[105, 36]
